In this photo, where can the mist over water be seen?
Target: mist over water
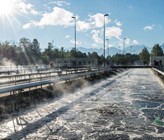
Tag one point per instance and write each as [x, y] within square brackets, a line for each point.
[6, 64]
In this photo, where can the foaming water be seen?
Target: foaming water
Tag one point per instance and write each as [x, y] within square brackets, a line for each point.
[112, 108]
[158, 122]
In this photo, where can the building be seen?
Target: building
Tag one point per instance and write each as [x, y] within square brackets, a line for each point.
[75, 62]
[157, 61]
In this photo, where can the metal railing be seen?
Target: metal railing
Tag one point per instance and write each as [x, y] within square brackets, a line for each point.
[159, 73]
[16, 81]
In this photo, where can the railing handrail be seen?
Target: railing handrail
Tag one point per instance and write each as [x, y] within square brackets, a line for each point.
[159, 71]
[28, 81]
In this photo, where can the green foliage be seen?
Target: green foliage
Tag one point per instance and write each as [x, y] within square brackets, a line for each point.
[27, 52]
[35, 50]
[157, 50]
[49, 51]
[95, 55]
[144, 56]
[26, 46]
[124, 59]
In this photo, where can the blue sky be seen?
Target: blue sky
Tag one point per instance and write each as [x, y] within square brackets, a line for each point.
[140, 21]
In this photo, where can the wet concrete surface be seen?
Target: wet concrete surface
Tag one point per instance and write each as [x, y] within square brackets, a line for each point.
[129, 106]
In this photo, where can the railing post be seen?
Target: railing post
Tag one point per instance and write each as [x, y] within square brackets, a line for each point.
[29, 78]
[40, 76]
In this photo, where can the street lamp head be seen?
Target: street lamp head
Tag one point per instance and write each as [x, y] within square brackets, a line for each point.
[124, 38]
[73, 17]
[106, 15]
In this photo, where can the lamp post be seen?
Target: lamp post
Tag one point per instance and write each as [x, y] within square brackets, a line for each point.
[119, 52]
[104, 38]
[75, 33]
[108, 60]
[124, 44]
[107, 46]
[131, 55]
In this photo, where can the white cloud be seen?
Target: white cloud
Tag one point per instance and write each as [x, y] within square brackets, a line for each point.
[21, 7]
[98, 20]
[26, 8]
[27, 26]
[77, 42]
[113, 32]
[67, 37]
[127, 41]
[83, 26]
[94, 21]
[60, 3]
[58, 16]
[118, 23]
[30, 24]
[135, 42]
[149, 27]
[96, 36]
[94, 24]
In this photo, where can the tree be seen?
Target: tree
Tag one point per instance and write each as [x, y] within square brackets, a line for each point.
[45, 58]
[93, 55]
[7, 51]
[144, 55]
[26, 45]
[49, 51]
[80, 54]
[35, 50]
[157, 50]
[73, 53]
[62, 52]
[124, 59]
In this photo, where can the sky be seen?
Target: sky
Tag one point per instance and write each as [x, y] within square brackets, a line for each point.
[141, 22]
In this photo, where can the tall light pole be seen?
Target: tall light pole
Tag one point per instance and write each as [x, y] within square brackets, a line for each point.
[107, 40]
[104, 37]
[131, 55]
[75, 33]
[108, 51]
[131, 49]
[119, 52]
[124, 44]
